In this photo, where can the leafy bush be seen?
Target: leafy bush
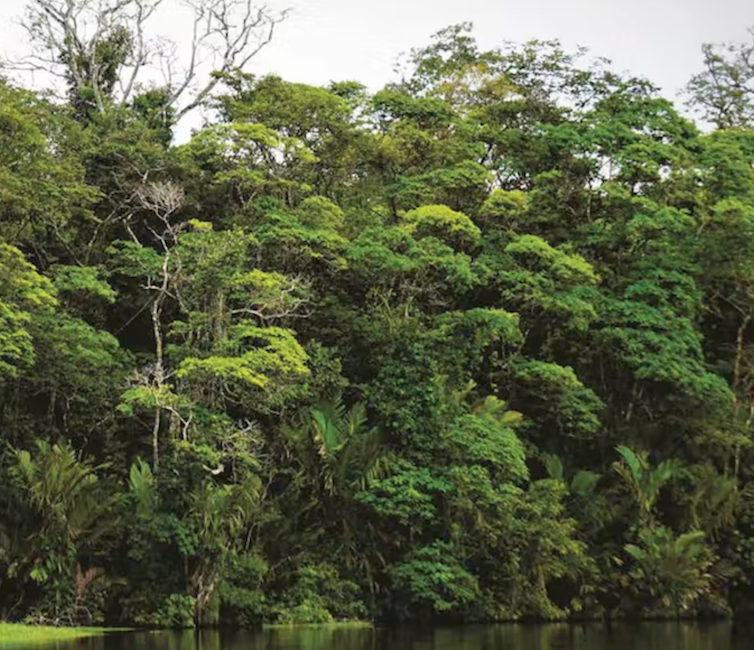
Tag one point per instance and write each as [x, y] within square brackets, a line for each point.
[431, 582]
[174, 611]
[242, 601]
[320, 595]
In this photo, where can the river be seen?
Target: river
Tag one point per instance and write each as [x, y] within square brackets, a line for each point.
[646, 636]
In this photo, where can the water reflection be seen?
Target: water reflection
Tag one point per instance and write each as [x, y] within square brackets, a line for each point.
[657, 636]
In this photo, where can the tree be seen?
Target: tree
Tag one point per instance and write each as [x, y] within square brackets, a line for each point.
[103, 50]
[724, 91]
[506, 265]
[67, 509]
[45, 202]
[644, 481]
[162, 200]
[674, 572]
[221, 514]
[24, 294]
[339, 456]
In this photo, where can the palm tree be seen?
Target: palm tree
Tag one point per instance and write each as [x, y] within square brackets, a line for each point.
[67, 511]
[336, 448]
[674, 570]
[220, 514]
[644, 480]
[338, 455]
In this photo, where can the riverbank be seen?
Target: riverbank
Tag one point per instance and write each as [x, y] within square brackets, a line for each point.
[19, 633]
[329, 624]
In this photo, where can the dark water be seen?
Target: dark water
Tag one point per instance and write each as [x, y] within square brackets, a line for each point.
[649, 636]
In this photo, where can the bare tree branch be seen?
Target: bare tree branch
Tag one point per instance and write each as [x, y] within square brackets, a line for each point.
[234, 31]
[161, 198]
[104, 49]
[724, 91]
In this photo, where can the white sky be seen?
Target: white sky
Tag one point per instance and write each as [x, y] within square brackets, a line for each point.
[326, 40]
[660, 39]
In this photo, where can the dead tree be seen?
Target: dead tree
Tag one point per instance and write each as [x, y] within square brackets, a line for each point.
[163, 200]
[106, 49]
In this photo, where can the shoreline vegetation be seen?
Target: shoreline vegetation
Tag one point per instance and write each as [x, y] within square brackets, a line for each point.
[22, 633]
[293, 624]
[32, 632]
[476, 346]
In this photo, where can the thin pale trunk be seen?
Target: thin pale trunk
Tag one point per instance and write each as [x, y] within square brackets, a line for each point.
[739, 352]
[542, 582]
[174, 425]
[219, 318]
[159, 374]
[736, 386]
[156, 440]
[52, 407]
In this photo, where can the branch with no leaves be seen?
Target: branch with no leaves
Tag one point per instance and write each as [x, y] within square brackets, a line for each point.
[66, 39]
[161, 198]
[231, 33]
[73, 40]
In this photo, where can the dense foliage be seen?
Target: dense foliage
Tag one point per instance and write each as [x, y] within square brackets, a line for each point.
[477, 346]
